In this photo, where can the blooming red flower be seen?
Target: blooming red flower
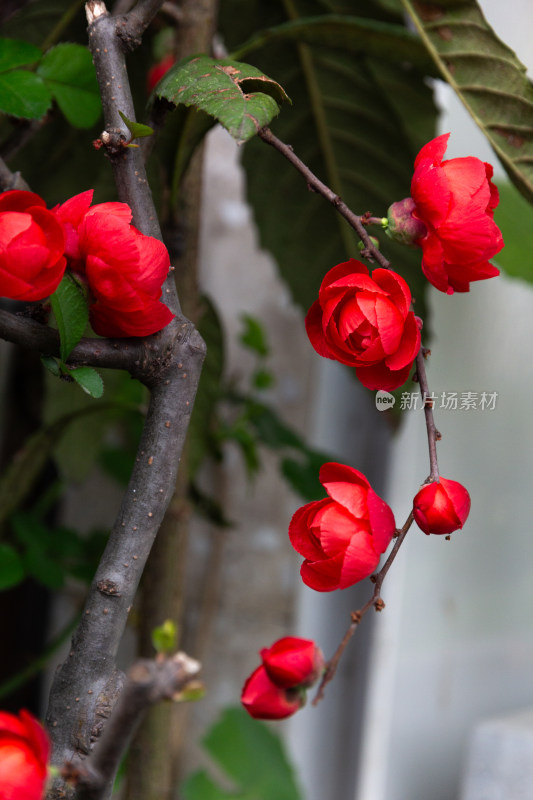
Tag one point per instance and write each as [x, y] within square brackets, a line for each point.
[364, 321]
[441, 506]
[455, 200]
[31, 247]
[124, 269]
[263, 699]
[24, 752]
[343, 536]
[293, 662]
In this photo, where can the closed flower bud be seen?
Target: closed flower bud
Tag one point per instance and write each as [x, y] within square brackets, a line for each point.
[402, 226]
[24, 752]
[293, 662]
[262, 699]
[441, 506]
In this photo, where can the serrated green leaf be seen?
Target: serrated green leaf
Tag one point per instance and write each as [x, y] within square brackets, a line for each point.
[71, 312]
[68, 71]
[16, 53]
[252, 756]
[487, 77]
[357, 121]
[356, 34]
[237, 95]
[11, 567]
[137, 129]
[514, 216]
[23, 94]
[89, 380]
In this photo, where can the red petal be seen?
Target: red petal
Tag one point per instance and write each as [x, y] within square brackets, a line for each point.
[433, 150]
[379, 376]
[346, 486]
[313, 326]
[408, 347]
[360, 560]
[382, 523]
[301, 536]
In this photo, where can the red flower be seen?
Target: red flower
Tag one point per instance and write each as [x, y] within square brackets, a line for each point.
[364, 321]
[343, 536]
[31, 247]
[156, 72]
[441, 507]
[263, 699]
[24, 752]
[455, 200]
[293, 662]
[123, 268]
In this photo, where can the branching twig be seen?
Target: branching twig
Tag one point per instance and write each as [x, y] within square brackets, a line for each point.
[147, 682]
[433, 434]
[11, 180]
[374, 601]
[370, 252]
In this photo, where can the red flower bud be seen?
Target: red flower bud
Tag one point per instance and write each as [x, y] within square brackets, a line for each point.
[364, 321]
[124, 269]
[24, 752]
[262, 699]
[293, 662]
[441, 506]
[455, 200]
[31, 247]
[402, 226]
[343, 536]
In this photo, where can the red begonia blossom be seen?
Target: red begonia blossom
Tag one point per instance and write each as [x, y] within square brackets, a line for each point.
[263, 699]
[364, 321]
[24, 752]
[343, 536]
[441, 506]
[31, 247]
[291, 662]
[455, 201]
[124, 269]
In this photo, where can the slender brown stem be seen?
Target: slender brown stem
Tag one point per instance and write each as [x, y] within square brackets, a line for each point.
[314, 184]
[356, 616]
[432, 432]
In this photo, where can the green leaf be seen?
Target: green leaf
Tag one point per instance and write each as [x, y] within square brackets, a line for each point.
[11, 567]
[89, 380]
[199, 786]
[16, 53]
[252, 756]
[253, 336]
[302, 474]
[356, 34]
[270, 429]
[164, 637]
[487, 77]
[263, 379]
[137, 129]
[358, 122]
[68, 72]
[70, 309]
[514, 215]
[51, 365]
[23, 94]
[237, 95]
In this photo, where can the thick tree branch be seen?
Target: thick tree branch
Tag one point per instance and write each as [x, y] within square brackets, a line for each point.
[87, 685]
[370, 251]
[148, 682]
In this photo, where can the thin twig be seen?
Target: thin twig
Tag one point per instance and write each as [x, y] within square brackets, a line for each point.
[433, 434]
[356, 616]
[370, 251]
[11, 180]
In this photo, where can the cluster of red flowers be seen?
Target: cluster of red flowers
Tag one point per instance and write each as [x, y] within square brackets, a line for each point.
[365, 321]
[277, 688]
[122, 268]
[24, 753]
